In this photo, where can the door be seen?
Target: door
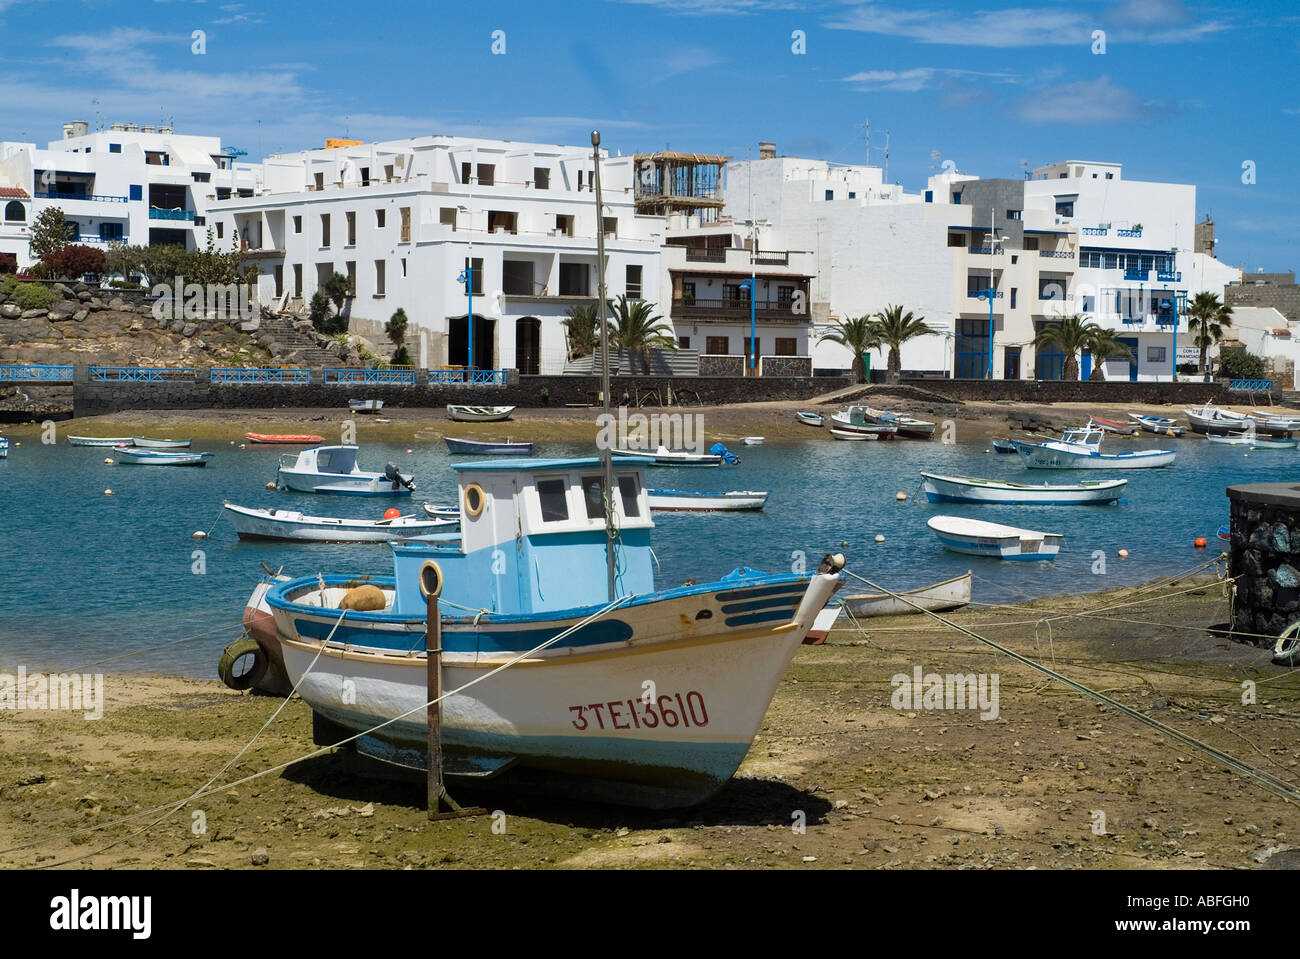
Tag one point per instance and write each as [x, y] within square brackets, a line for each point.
[1011, 363]
[528, 334]
[1132, 343]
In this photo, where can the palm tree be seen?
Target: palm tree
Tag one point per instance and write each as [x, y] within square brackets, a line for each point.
[858, 334]
[637, 329]
[583, 330]
[1104, 344]
[1206, 318]
[1071, 335]
[894, 328]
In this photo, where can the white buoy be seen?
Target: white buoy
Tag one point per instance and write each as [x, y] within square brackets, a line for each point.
[108, 460]
[880, 537]
[270, 486]
[900, 496]
[241, 446]
[108, 492]
[199, 534]
[1123, 554]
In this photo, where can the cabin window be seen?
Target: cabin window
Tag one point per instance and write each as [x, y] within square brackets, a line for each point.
[555, 506]
[475, 499]
[593, 494]
[628, 491]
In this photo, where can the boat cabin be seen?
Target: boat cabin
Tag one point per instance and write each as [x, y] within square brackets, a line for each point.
[340, 460]
[1083, 437]
[533, 538]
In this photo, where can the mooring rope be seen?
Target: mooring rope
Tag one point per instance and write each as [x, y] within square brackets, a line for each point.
[1280, 786]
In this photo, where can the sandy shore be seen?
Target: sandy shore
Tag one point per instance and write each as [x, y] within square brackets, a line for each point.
[878, 786]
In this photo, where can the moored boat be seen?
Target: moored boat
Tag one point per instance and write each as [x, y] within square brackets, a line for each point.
[1213, 421]
[717, 649]
[365, 406]
[442, 512]
[1275, 421]
[950, 594]
[675, 500]
[1252, 441]
[291, 525]
[663, 456]
[908, 426]
[461, 447]
[1111, 426]
[968, 489]
[145, 443]
[752, 440]
[1081, 449]
[334, 469]
[1003, 445]
[856, 419]
[809, 419]
[478, 414]
[993, 540]
[99, 441]
[1158, 424]
[286, 439]
[142, 457]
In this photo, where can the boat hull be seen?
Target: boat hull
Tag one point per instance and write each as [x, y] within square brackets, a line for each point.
[955, 489]
[1046, 458]
[667, 500]
[288, 525]
[341, 484]
[285, 439]
[129, 457]
[144, 443]
[674, 459]
[99, 440]
[474, 447]
[950, 594]
[992, 540]
[479, 414]
[809, 419]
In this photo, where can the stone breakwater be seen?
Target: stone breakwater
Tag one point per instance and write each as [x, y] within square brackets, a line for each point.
[1265, 558]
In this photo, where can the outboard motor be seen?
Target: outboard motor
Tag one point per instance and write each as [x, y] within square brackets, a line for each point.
[396, 478]
[728, 457]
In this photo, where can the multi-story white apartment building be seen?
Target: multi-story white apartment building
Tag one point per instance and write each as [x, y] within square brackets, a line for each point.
[133, 184]
[405, 220]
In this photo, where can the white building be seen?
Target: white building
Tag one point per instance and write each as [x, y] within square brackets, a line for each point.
[403, 219]
[132, 184]
[1264, 331]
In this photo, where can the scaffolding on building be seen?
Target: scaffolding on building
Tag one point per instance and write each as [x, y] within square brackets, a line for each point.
[689, 183]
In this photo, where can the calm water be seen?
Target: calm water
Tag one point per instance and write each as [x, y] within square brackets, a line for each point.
[87, 576]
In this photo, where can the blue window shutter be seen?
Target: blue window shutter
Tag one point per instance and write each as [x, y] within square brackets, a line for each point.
[929, 196]
[115, 148]
[137, 192]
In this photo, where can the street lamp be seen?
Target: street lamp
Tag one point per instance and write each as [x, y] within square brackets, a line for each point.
[748, 285]
[991, 241]
[466, 276]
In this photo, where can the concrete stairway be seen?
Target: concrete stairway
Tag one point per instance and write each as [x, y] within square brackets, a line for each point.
[294, 346]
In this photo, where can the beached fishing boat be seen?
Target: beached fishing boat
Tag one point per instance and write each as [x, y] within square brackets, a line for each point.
[334, 469]
[968, 489]
[994, 540]
[572, 714]
[1003, 445]
[676, 500]
[752, 440]
[1111, 426]
[286, 439]
[138, 457]
[809, 419]
[145, 443]
[908, 426]
[1213, 421]
[1158, 424]
[1080, 450]
[663, 456]
[100, 441]
[855, 419]
[365, 406]
[1277, 421]
[950, 594]
[823, 624]
[479, 414]
[283, 524]
[460, 447]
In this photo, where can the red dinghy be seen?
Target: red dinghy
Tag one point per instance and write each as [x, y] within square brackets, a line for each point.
[298, 439]
[1110, 426]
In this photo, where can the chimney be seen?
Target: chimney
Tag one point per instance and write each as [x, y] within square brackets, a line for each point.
[766, 150]
[77, 128]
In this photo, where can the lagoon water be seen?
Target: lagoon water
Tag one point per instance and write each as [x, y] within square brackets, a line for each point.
[94, 579]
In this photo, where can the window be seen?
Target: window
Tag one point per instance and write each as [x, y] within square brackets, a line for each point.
[200, 221]
[956, 197]
[379, 219]
[486, 174]
[632, 283]
[593, 495]
[688, 292]
[1051, 289]
[221, 230]
[977, 283]
[1110, 176]
[403, 267]
[1014, 259]
[579, 181]
[683, 342]
[1088, 303]
[785, 295]
[929, 196]
[830, 194]
[115, 148]
[297, 224]
[202, 177]
[1065, 207]
[542, 177]
[574, 279]
[1013, 298]
[15, 212]
[319, 179]
[279, 280]
[852, 195]
[1156, 354]
[352, 228]
[555, 506]
[956, 239]
[297, 279]
[324, 229]
[1013, 214]
[406, 224]
[137, 192]
[627, 491]
[244, 192]
[108, 231]
[388, 171]
[365, 176]
[757, 347]
[503, 221]
[447, 216]
[563, 224]
[609, 225]
[477, 274]
[1031, 243]
[717, 345]
[352, 277]
[380, 271]
[517, 277]
[1110, 261]
[787, 346]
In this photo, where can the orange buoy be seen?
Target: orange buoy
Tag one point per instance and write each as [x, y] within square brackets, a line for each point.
[1200, 542]
[392, 512]
[1123, 554]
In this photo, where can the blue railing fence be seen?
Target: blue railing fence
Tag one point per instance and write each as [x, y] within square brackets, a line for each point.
[143, 374]
[393, 377]
[35, 373]
[257, 375]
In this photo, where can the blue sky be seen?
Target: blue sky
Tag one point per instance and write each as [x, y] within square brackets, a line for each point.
[1186, 91]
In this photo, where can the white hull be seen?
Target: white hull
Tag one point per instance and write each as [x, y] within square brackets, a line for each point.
[345, 484]
[958, 489]
[271, 524]
[479, 414]
[1035, 456]
[977, 538]
[853, 435]
[100, 441]
[664, 457]
[950, 594]
[685, 501]
[144, 443]
[129, 456]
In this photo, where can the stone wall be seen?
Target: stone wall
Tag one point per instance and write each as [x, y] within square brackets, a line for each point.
[1265, 557]
[1277, 290]
[716, 364]
[1082, 391]
[785, 365]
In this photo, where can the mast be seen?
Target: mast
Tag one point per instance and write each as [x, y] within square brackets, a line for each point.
[606, 454]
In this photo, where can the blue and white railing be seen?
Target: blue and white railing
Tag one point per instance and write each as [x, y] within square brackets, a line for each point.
[462, 377]
[35, 373]
[239, 374]
[142, 374]
[1250, 386]
[398, 377]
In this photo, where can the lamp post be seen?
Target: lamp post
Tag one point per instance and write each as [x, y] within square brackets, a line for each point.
[991, 240]
[467, 277]
[753, 339]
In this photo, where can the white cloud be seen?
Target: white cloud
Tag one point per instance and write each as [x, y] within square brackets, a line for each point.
[915, 79]
[1087, 102]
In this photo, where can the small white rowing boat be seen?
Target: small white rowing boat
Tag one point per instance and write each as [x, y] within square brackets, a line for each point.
[809, 419]
[752, 440]
[1254, 442]
[1158, 424]
[993, 540]
[663, 456]
[969, 489]
[442, 512]
[479, 414]
[130, 455]
[100, 440]
[143, 442]
[282, 524]
[675, 500]
[950, 594]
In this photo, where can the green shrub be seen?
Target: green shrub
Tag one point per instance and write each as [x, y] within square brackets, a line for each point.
[7, 285]
[33, 296]
[1236, 364]
[323, 318]
[124, 285]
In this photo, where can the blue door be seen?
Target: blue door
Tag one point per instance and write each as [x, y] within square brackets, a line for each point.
[1132, 344]
[1085, 365]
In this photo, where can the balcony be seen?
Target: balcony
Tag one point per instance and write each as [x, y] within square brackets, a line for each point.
[1057, 254]
[1169, 276]
[1094, 231]
[95, 197]
[157, 214]
[722, 311]
[985, 250]
[707, 255]
[1132, 234]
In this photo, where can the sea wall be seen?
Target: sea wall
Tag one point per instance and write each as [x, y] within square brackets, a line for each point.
[1082, 391]
[1264, 557]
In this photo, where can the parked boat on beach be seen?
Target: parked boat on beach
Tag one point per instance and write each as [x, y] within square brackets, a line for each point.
[1275, 422]
[752, 440]
[1213, 421]
[100, 441]
[1081, 449]
[950, 594]
[286, 439]
[140, 457]
[968, 489]
[462, 447]
[718, 649]
[291, 525]
[908, 426]
[145, 443]
[855, 423]
[365, 406]
[1111, 426]
[994, 540]
[1158, 424]
[334, 469]
[676, 500]
[809, 419]
[479, 414]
